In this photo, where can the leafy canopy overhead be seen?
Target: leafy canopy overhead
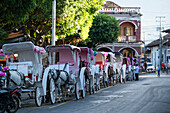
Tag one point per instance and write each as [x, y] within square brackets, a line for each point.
[74, 17]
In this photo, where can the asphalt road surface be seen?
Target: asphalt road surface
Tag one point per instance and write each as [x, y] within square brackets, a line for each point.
[148, 95]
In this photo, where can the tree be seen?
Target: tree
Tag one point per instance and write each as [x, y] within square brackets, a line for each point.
[105, 29]
[12, 13]
[77, 19]
[74, 18]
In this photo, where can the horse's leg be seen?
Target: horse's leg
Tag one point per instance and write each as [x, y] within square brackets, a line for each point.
[59, 93]
[62, 91]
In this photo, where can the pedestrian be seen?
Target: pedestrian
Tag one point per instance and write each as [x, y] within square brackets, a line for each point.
[163, 67]
[145, 65]
[137, 72]
[166, 67]
[158, 69]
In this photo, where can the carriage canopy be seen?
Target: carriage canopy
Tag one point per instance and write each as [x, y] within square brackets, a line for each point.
[26, 51]
[62, 54]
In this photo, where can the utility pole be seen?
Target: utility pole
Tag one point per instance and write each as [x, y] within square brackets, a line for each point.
[53, 28]
[53, 22]
[160, 27]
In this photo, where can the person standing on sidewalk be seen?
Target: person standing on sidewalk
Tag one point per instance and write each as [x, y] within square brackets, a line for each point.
[145, 65]
[137, 72]
[166, 67]
[163, 67]
[158, 69]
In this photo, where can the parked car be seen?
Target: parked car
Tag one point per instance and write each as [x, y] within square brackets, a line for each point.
[150, 68]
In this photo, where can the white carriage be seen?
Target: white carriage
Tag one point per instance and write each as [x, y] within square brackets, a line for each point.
[110, 60]
[64, 70]
[27, 69]
[101, 67]
[129, 68]
[87, 57]
[119, 69]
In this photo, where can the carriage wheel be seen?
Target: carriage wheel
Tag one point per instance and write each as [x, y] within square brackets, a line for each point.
[38, 98]
[98, 86]
[93, 90]
[90, 88]
[83, 92]
[52, 91]
[77, 91]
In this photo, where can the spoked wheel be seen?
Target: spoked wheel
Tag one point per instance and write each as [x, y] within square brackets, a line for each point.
[90, 88]
[97, 83]
[83, 92]
[98, 86]
[77, 91]
[13, 107]
[124, 80]
[113, 82]
[104, 82]
[52, 91]
[93, 90]
[2, 106]
[38, 98]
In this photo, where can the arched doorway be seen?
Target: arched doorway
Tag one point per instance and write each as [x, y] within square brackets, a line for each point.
[128, 52]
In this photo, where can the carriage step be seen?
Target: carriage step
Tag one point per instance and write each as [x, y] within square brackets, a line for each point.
[28, 90]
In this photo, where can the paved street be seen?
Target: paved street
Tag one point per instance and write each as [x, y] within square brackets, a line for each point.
[148, 95]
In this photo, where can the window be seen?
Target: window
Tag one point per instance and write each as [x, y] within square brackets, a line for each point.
[128, 31]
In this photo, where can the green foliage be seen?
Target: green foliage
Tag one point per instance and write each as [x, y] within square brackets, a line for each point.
[14, 11]
[2, 35]
[105, 29]
[74, 17]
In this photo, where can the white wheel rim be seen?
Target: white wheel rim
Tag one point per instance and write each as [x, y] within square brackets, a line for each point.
[38, 96]
[77, 91]
[52, 91]
[84, 86]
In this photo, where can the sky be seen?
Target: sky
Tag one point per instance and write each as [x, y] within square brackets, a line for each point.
[150, 9]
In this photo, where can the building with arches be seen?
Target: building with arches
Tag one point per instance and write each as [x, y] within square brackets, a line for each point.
[129, 41]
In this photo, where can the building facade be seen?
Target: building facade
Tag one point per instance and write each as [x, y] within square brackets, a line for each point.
[129, 40]
[155, 50]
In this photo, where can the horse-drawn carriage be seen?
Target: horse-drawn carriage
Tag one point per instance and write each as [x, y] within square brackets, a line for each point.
[87, 57]
[27, 69]
[65, 71]
[110, 60]
[130, 67]
[119, 68]
[100, 60]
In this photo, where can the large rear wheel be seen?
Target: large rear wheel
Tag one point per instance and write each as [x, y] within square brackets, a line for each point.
[52, 91]
[38, 97]
[90, 88]
[83, 92]
[77, 91]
